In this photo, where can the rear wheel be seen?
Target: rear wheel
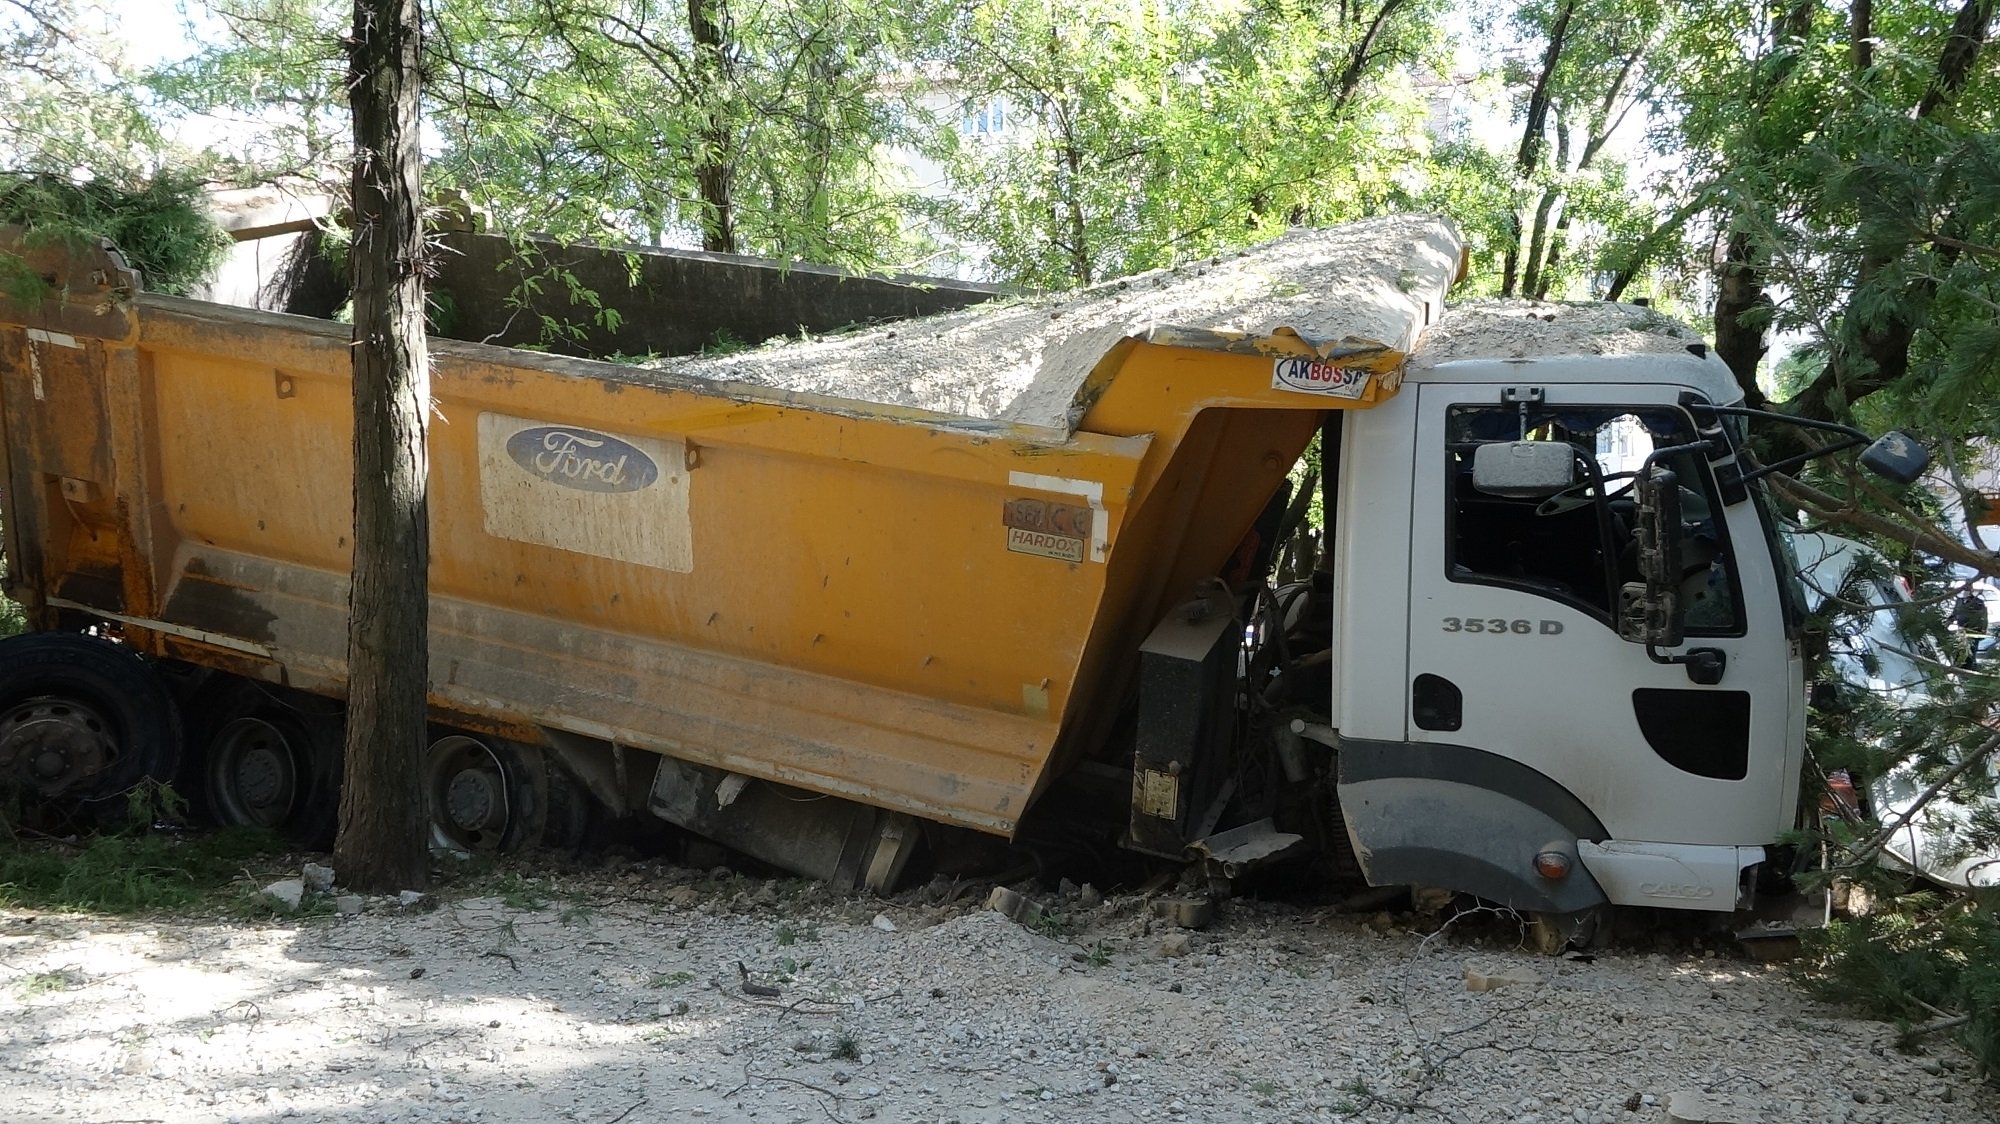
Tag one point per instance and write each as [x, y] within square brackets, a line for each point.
[82, 718]
[272, 760]
[489, 795]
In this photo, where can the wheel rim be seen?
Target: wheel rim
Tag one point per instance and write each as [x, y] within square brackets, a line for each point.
[467, 786]
[52, 744]
[256, 769]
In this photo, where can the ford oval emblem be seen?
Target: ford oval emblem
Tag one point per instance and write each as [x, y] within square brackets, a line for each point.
[583, 459]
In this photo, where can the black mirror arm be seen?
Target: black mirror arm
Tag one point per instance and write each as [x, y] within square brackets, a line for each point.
[1854, 437]
[1704, 665]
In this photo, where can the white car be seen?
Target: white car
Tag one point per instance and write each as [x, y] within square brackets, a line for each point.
[1877, 657]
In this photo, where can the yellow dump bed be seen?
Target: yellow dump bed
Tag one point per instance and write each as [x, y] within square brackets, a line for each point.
[922, 610]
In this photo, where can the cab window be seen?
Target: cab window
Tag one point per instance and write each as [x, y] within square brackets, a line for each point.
[1578, 546]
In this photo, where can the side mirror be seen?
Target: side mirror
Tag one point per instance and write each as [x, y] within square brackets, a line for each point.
[1649, 611]
[1896, 457]
[1525, 469]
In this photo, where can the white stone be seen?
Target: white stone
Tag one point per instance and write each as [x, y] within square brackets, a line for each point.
[883, 923]
[350, 904]
[408, 898]
[316, 877]
[286, 892]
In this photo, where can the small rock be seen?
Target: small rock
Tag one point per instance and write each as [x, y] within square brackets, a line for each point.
[1175, 945]
[883, 923]
[408, 898]
[316, 877]
[286, 892]
[1088, 897]
[1488, 977]
[350, 904]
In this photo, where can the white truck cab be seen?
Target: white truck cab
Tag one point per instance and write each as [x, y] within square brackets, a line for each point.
[1497, 732]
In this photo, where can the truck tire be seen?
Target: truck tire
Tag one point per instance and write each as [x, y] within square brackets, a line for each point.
[490, 795]
[270, 760]
[82, 718]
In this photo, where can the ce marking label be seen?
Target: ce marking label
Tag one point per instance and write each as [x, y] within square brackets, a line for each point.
[1520, 626]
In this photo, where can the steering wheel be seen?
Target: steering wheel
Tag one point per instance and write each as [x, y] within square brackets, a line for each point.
[1577, 495]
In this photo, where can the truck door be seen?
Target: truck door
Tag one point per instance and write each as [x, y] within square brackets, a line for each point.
[1518, 681]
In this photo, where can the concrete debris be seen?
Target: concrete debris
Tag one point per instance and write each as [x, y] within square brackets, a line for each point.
[317, 878]
[1523, 329]
[1186, 912]
[286, 892]
[1012, 905]
[1366, 282]
[350, 905]
[883, 923]
[408, 898]
[1491, 977]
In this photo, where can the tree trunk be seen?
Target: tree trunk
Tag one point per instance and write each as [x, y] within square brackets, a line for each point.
[714, 168]
[1534, 283]
[1740, 280]
[1357, 59]
[1877, 354]
[1740, 291]
[1655, 238]
[1530, 155]
[384, 825]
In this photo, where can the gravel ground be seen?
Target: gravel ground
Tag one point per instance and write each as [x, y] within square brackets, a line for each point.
[607, 997]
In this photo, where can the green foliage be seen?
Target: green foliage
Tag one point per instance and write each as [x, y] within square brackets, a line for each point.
[158, 223]
[1908, 965]
[1102, 138]
[130, 873]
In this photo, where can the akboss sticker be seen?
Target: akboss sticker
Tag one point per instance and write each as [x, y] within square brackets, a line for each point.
[1318, 376]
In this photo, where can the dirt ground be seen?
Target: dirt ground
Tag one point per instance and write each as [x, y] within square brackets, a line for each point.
[617, 997]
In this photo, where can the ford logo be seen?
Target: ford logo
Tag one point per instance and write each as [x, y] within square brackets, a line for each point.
[583, 459]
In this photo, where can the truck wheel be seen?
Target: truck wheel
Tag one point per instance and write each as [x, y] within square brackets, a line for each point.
[270, 765]
[489, 795]
[82, 717]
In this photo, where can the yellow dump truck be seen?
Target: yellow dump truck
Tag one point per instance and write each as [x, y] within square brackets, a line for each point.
[827, 599]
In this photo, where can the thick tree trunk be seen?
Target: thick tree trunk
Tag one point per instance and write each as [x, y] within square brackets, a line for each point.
[383, 841]
[714, 168]
[1739, 342]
